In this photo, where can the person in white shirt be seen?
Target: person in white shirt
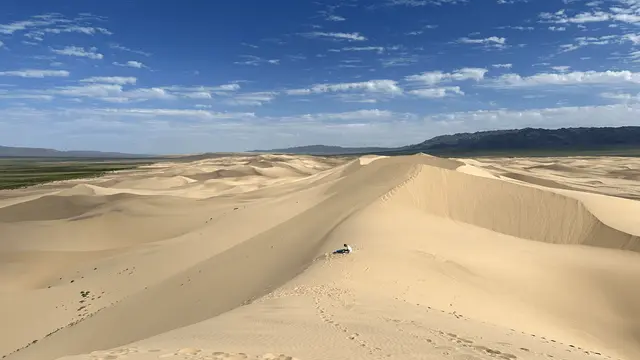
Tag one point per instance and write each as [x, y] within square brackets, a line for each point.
[345, 250]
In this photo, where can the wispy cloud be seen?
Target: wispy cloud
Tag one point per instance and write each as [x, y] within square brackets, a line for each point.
[90, 53]
[571, 78]
[519, 28]
[503, 66]
[34, 22]
[251, 99]
[422, 30]
[120, 80]
[626, 11]
[372, 86]
[336, 35]
[256, 60]
[378, 49]
[621, 97]
[88, 30]
[400, 60]
[126, 49]
[609, 115]
[203, 92]
[416, 3]
[600, 40]
[131, 64]
[430, 78]
[37, 27]
[32, 73]
[439, 92]
[492, 41]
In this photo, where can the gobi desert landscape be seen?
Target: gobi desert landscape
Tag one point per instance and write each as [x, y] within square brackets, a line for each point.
[230, 258]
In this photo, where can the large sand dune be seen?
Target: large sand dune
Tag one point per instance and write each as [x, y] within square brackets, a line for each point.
[228, 258]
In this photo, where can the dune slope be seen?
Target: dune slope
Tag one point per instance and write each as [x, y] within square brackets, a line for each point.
[444, 267]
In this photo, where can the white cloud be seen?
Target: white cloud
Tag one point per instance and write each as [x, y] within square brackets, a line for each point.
[621, 97]
[1, 44]
[389, 87]
[124, 48]
[256, 60]
[113, 92]
[602, 40]
[437, 92]
[490, 40]
[378, 49]
[552, 118]
[416, 3]
[202, 92]
[35, 21]
[337, 35]
[120, 80]
[503, 66]
[88, 30]
[4, 94]
[252, 99]
[335, 18]
[557, 28]
[502, 2]
[626, 13]
[132, 64]
[32, 73]
[199, 114]
[80, 52]
[435, 77]
[563, 68]
[520, 28]
[402, 60]
[572, 78]
[37, 27]
[421, 31]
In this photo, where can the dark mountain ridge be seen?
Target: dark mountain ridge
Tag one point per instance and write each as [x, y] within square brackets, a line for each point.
[523, 140]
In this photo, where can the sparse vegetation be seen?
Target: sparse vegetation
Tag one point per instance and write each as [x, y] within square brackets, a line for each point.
[23, 172]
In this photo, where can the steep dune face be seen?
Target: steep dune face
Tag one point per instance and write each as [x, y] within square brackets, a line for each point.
[512, 209]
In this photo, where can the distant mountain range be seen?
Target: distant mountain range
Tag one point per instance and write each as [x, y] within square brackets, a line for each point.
[325, 150]
[605, 140]
[500, 141]
[7, 151]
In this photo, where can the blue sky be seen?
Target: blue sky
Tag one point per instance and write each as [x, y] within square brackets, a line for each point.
[184, 77]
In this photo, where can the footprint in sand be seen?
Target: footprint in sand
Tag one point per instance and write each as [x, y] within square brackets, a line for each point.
[188, 353]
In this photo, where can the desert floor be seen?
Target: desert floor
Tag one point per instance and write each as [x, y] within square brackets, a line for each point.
[230, 258]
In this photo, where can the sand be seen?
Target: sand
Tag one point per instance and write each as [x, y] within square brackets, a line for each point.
[229, 258]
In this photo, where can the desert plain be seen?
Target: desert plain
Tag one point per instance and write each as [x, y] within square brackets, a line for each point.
[230, 258]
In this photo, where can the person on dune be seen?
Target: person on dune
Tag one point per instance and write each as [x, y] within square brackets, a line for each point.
[345, 250]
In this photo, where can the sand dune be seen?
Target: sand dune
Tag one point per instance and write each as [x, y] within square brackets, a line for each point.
[227, 258]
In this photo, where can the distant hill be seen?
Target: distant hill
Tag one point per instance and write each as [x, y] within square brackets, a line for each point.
[325, 150]
[7, 151]
[525, 140]
[528, 139]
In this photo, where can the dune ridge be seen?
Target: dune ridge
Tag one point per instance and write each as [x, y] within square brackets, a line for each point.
[444, 265]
